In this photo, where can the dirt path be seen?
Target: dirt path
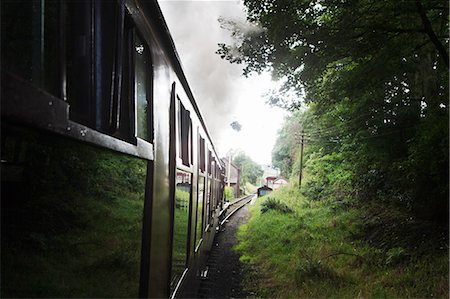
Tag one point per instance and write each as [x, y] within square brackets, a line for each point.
[225, 270]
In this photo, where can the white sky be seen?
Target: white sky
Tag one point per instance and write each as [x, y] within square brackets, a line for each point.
[222, 93]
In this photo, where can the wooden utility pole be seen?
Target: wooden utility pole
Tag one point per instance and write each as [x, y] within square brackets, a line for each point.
[301, 160]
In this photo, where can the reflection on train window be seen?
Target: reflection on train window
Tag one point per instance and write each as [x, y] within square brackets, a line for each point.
[180, 225]
[212, 191]
[185, 133]
[142, 86]
[202, 154]
[208, 201]
[71, 223]
[209, 162]
[30, 41]
[200, 198]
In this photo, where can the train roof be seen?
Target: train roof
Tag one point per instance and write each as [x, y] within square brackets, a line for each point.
[159, 25]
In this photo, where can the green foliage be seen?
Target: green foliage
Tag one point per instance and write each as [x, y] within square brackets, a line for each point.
[375, 78]
[285, 151]
[250, 188]
[317, 252]
[228, 193]
[250, 170]
[274, 205]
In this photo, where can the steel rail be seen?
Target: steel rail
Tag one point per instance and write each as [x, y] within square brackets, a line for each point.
[245, 200]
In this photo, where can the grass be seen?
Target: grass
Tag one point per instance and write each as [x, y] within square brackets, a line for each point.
[313, 249]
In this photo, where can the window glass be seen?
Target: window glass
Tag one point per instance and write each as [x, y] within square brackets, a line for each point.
[213, 188]
[200, 199]
[30, 41]
[180, 225]
[185, 133]
[142, 86]
[210, 163]
[86, 52]
[202, 154]
[79, 61]
[208, 201]
[126, 127]
[71, 218]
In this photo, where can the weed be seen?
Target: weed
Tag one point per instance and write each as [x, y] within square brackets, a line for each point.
[309, 269]
[395, 256]
[276, 205]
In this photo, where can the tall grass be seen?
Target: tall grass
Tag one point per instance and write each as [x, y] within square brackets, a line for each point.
[314, 251]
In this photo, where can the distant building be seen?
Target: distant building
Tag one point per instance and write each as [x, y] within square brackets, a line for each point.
[280, 182]
[233, 173]
[270, 180]
[275, 182]
[269, 171]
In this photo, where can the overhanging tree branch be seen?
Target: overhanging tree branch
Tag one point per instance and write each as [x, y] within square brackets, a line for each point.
[429, 31]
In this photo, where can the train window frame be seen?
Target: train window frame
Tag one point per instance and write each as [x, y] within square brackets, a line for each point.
[201, 175]
[184, 137]
[201, 153]
[198, 241]
[207, 206]
[174, 284]
[53, 107]
[210, 194]
[148, 89]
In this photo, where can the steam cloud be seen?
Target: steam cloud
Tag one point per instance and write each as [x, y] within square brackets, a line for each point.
[214, 82]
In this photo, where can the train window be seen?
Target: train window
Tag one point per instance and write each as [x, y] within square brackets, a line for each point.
[209, 162]
[125, 127]
[142, 86]
[199, 222]
[30, 39]
[211, 199]
[202, 154]
[208, 201]
[181, 226]
[79, 61]
[71, 223]
[86, 52]
[100, 68]
[185, 133]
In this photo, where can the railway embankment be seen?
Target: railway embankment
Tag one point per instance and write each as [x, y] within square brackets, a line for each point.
[299, 248]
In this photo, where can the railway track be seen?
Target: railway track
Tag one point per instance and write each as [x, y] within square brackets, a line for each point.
[232, 207]
[224, 271]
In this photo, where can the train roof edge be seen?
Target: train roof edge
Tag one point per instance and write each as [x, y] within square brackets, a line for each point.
[152, 9]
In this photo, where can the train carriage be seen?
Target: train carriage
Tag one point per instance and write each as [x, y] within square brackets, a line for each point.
[110, 183]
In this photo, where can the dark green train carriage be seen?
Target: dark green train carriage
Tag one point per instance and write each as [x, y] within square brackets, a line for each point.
[110, 184]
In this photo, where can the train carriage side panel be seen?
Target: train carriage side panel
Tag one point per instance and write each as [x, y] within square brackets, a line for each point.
[73, 193]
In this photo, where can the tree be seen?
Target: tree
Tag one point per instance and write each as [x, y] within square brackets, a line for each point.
[285, 150]
[250, 170]
[375, 77]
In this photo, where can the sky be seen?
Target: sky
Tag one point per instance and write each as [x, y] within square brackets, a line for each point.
[222, 93]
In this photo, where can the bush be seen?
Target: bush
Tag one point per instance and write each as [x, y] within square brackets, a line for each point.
[228, 193]
[276, 205]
